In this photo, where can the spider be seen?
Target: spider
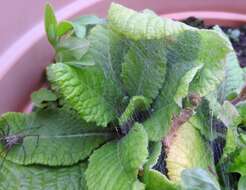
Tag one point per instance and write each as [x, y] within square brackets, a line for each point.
[9, 141]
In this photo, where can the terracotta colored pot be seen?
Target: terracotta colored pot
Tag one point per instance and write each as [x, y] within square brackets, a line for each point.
[23, 61]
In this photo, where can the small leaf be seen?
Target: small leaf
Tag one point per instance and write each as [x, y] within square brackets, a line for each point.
[85, 61]
[159, 124]
[154, 153]
[50, 24]
[242, 183]
[79, 30]
[229, 115]
[52, 137]
[154, 180]
[241, 107]
[231, 142]
[239, 163]
[198, 179]
[183, 88]
[89, 20]
[63, 27]
[116, 164]
[42, 96]
[137, 103]
[14, 176]
[71, 49]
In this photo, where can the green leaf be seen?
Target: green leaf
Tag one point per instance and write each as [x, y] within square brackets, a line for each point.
[229, 115]
[51, 137]
[144, 25]
[231, 142]
[234, 75]
[42, 96]
[181, 154]
[202, 121]
[158, 125]
[144, 68]
[116, 164]
[241, 107]
[89, 20]
[81, 24]
[137, 103]
[233, 81]
[71, 49]
[63, 27]
[85, 91]
[242, 183]
[198, 179]
[183, 87]
[79, 30]
[239, 163]
[107, 49]
[212, 53]
[201, 51]
[13, 177]
[50, 24]
[154, 180]
[154, 153]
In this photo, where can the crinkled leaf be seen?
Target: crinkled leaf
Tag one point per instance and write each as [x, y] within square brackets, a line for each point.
[42, 96]
[144, 25]
[154, 153]
[154, 180]
[85, 91]
[116, 164]
[239, 163]
[181, 154]
[144, 68]
[198, 179]
[50, 24]
[137, 103]
[71, 49]
[242, 183]
[51, 137]
[14, 176]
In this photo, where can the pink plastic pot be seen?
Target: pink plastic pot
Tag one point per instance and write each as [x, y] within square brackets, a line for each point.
[25, 51]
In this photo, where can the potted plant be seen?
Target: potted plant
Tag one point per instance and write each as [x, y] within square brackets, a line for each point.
[132, 103]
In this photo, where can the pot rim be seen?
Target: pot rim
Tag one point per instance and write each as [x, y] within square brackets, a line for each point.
[26, 42]
[208, 15]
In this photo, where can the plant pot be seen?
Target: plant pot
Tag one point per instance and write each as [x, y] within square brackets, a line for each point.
[24, 61]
